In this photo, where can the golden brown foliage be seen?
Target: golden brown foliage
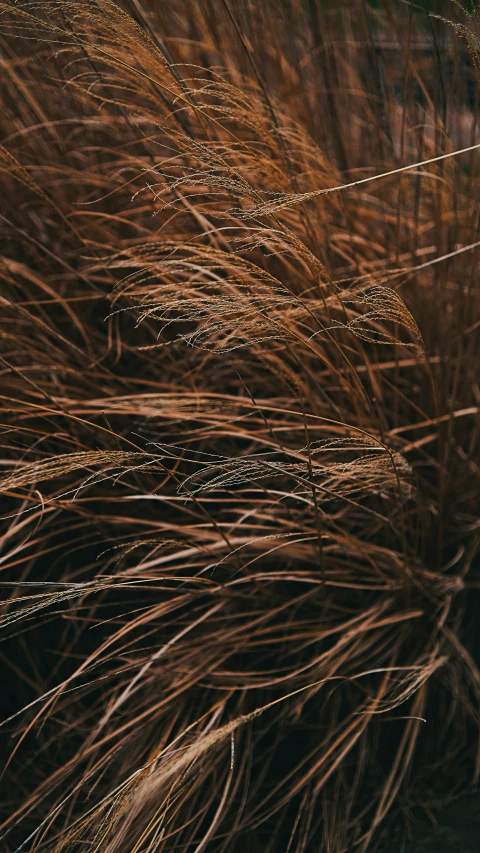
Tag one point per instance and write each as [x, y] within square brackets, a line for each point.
[240, 416]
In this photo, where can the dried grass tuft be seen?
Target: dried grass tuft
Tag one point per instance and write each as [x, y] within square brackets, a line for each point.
[240, 422]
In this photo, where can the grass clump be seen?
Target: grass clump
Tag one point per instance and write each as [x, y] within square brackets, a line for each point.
[240, 356]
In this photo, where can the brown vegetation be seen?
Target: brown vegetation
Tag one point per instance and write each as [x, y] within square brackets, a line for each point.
[240, 356]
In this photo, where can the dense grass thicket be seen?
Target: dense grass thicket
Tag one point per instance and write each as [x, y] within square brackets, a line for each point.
[240, 368]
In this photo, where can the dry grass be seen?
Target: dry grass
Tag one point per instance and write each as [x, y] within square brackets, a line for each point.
[240, 357]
